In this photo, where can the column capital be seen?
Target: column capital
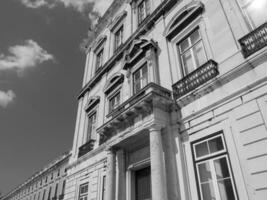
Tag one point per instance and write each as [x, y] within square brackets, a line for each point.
[110, 150]
[155, 127]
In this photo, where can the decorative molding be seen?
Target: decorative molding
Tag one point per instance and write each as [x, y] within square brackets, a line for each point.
[92, 103]
[183, 17]
[113, 81]
[136, 50]
[114, 23]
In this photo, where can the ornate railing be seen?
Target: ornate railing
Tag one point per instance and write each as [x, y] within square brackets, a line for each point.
[254, 41]
[196, 78]
[87, 147]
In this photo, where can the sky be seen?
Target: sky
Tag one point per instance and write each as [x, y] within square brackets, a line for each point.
[41, 71]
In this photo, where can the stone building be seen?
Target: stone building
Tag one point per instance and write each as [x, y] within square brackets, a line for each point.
[47, 184]
[173, 103]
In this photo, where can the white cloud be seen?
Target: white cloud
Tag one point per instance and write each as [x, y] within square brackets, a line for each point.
[6, 98]
[21, 57]
[99, 6]
[35, 3]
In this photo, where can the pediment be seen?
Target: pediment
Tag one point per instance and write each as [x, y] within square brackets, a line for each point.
[117, 20]
[99, 42]
[92, 102]
[137, 47]
[113, 82]
[183, 17]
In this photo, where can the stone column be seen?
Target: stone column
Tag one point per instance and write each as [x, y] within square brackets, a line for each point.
[110, 191]
[121, 175]
[158, 173]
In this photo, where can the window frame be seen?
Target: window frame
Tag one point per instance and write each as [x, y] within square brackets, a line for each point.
[99, 59]
[86, 194]
[112, 96]
[147, 10]
[247, 16]
[210, 158]
[88, 135]
[139, 69]
[190, 49]
[119, 30]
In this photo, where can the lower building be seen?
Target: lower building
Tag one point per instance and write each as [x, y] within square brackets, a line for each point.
[47, 184]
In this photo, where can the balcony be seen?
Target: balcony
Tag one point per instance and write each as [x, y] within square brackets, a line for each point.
[196, 78]
[140, 105]
[87, 147]
[61, 197]
[54, 198]
[254, 41]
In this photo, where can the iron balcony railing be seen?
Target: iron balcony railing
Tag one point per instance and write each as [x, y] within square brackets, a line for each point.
[254, 41]
[87, 147]
[61, 197]
[196, 78]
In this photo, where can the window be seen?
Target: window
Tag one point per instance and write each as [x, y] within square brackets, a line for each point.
[55, 194]
[58, 172]
[49, 193]
[44, 194]
[99, 59]
[91, 126]
[83, 192]
[63, 187]
[143, 10]
[118, 37]
[114, 101]
[255, 11]
[215, 180]
[140, 78]
[52, 176]
[192, 52]
[143, 184]
[103, 187]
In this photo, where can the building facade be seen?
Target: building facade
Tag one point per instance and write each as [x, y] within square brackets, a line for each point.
[47, 184]
[174, 103]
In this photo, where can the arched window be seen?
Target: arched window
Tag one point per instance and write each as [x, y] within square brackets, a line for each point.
[183, 18]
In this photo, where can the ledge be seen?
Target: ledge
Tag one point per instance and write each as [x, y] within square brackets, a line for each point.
[141, 104]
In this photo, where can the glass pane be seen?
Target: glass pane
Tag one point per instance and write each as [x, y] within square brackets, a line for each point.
[216, 144]
[137, 76]
[257, 11]
[195, 37]
[199, 54]
[226, 189]
[201, 149]
[204, 172]
[144, 76]
[221, 168]
[137, 87]
[188, 62]
[207, 191]
[184, 45]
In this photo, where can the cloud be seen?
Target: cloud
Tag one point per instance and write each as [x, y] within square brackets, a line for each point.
[35, 3]
[99, 6]
[6, 98]
[25, 56]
